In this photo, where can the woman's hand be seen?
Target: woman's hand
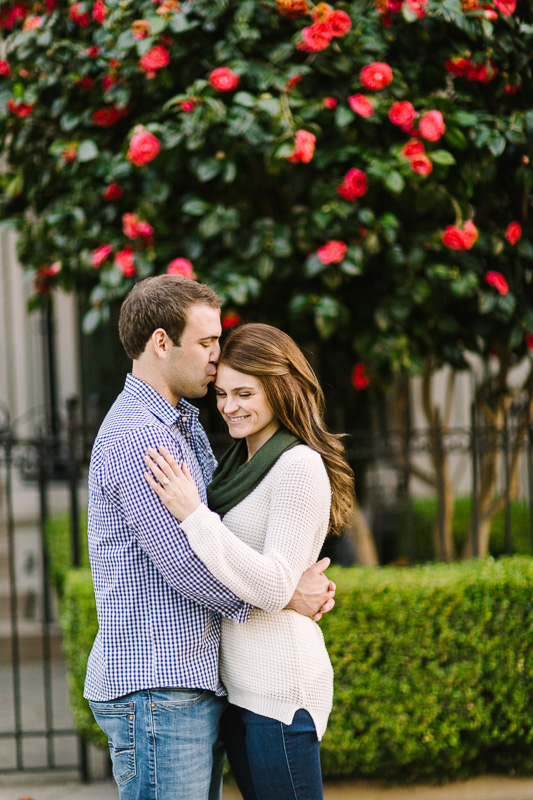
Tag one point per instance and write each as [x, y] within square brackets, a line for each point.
[174, 484]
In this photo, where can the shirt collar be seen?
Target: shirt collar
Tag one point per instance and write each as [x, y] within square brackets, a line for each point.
[157, 404]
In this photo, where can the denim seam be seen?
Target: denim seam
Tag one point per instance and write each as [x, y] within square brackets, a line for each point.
[287, 760]
[154, 744]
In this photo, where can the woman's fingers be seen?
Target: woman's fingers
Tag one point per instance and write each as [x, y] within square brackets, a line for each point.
[149, 478]
[155, 469]
[163, 464]
[170, 459]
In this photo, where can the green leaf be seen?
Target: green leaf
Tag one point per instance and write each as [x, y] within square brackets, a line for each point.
[343, 116]
[395, 182]
[313, 266]
[179, 22]
[69, 120]
[87, 150]
[465, 118]
[208, 169]
[91, 320]
[195, 207]
[245, 99]
[442, 157]
[487, 303]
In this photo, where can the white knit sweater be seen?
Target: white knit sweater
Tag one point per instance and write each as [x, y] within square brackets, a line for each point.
[276, 663]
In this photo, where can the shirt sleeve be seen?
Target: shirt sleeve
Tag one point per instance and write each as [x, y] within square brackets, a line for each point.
[157, 532]
[297, 523]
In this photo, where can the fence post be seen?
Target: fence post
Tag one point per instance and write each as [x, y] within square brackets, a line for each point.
[475, 479]
[508, 535]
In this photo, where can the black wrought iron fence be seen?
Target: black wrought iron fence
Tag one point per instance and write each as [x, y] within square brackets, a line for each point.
[39, 475]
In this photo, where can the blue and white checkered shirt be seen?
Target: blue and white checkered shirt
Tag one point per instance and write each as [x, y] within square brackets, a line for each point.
[158, 606]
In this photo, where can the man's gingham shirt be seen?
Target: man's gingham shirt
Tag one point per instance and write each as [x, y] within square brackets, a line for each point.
[158, 605]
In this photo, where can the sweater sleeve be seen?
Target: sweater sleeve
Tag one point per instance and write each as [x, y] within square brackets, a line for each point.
[296, 526]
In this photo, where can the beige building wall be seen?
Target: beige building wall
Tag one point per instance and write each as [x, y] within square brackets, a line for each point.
[22, 378]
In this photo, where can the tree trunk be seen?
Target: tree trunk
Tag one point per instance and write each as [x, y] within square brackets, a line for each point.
[359, 529]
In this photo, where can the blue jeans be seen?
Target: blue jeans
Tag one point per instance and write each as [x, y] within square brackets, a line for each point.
[164, 743]
[271, 760]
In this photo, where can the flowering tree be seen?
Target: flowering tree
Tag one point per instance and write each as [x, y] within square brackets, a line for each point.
[359, 171]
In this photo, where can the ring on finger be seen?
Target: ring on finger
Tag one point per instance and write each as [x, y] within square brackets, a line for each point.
[164, 480]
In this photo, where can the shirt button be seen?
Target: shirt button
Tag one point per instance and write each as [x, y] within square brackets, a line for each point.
[130, 716]
[130, 703]
[152, 705]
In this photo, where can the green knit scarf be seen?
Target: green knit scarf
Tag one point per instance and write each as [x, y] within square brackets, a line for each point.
[235, 478]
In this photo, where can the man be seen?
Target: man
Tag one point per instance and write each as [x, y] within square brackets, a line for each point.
[152, 675]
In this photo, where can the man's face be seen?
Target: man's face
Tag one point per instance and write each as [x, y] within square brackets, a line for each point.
[191, 367]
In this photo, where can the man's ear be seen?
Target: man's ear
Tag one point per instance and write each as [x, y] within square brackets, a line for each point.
[160, 342]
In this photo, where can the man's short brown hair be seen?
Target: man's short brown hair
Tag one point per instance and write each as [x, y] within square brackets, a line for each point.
[160, 302]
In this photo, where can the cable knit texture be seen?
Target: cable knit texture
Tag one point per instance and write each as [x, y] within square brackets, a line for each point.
[276, 662]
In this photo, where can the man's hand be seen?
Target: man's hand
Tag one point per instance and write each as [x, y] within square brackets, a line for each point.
[315, 592]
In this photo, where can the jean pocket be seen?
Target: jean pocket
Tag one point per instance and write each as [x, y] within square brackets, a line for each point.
[117, 720]
[176, 698]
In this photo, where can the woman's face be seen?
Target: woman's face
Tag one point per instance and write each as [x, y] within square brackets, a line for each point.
[243, 404]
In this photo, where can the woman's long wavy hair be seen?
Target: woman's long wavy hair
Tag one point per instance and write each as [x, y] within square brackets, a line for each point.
[296, 399]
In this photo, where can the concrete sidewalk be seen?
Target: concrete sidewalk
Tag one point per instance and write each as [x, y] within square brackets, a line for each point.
[492, 787]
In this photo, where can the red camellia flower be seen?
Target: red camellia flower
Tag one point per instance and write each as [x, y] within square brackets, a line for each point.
[85, 83]
[412, 148]
[5, 69]
[79, 16]
[292, 82]
[339, 23]
[99, 11]
[19, 108]
[181, 266]
[464, 67]
[144, 147]
[93, 51]
[133, 227]
[355, 185]
[529, 340]
[418, 6]
[157, 57]
[230, 319]
[223, 79]
[316, 37]
[332, 252]
[42, 280]
[100, 254]
[457, 238]
[140, 29]
[107, 116]
[497, 280]
[360, 379]
[292, 8]
[376, 75]
[421, 164]
[361, 105]
[113, 192]
[125, 261]
[32, 22]
[327, 102]
[10, 14]
[188, 105]
[432, 126]
[505, 6]
[403, 114]
[304, 147]
[513, 232]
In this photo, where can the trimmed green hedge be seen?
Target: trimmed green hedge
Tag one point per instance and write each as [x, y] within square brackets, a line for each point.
[80, 626]
[59, 547]
[433, 668]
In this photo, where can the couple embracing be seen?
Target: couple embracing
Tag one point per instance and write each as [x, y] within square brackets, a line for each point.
[206, 585]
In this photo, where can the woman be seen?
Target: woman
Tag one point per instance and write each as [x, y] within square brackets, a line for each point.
[275, 494]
